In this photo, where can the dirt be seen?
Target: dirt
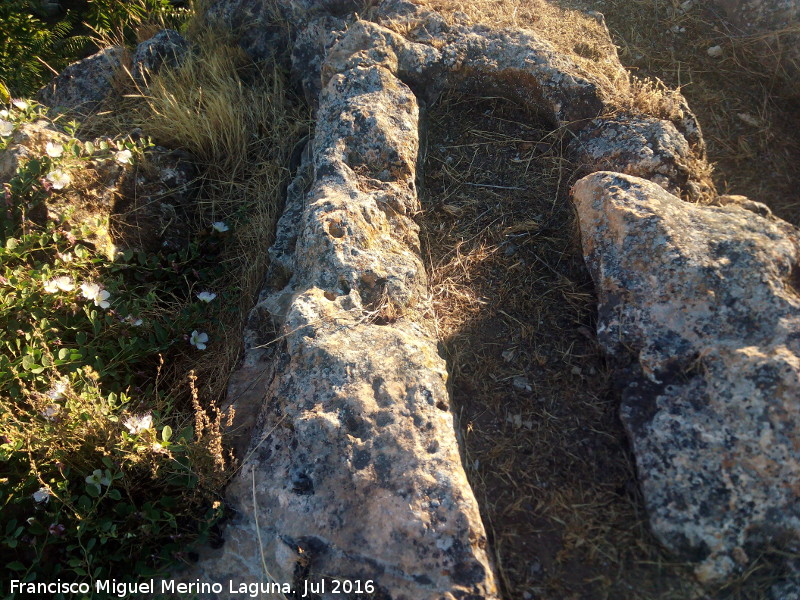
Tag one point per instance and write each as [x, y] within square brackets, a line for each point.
[545, 452]
[748, 110]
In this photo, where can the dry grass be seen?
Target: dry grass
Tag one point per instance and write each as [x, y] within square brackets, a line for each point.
[749, 111]
[234, 118]
[747, 104]
[544, 449]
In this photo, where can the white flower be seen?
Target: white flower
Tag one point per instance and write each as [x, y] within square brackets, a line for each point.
[98, 479]
[62, 283]
[66, 257]
[101, 299]
[89, 290]
[57, 391]
[4, 114]
[51, 411]
[131, 320]
[6, 128]
[92, 291]
[138, 423]
[123, 157]
[206, 296]
[54, 150]
[60, 179]
[219, 226]
[198, 340]
[42, 495]
[20, 104]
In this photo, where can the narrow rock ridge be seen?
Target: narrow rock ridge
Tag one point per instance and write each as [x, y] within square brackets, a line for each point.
[355, 472]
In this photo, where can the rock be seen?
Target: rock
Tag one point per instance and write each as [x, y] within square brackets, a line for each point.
[786, 590]
[715, 51]
[521, 384]
[516, 63]
[27, 141]
[350, 466]
[167, 47]
[353, 469]
[699, 309]
[144, 209]
[261, 27]
[84, 84]
[646, 147]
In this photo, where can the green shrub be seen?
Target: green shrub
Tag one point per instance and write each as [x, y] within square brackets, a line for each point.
[30, 44]
[26, 37]
[105, 472]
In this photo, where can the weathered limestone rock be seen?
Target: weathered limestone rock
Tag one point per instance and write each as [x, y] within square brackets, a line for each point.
[355, 471]
[27, 141]
[146, 208]
[167, 47]
[699, 308]
[83, 85]
[643, 146]
[350, 462]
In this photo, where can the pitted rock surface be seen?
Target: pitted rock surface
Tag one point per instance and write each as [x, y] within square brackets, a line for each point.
[84, 84]
[354, 471]
[699, 308]
[167, 47]
[642, 146]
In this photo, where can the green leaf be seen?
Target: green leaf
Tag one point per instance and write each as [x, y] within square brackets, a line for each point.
[28, 362]
[93, 490]
[12, 243]
[161, 333]
[114, 494]
[15, 566]
[166, 433]
[36, 528]
[63, 354]
[89, 147]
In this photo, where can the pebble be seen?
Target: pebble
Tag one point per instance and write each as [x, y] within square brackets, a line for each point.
[714, 51]
[521, 384]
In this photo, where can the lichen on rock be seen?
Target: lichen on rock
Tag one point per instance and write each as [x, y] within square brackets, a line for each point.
[699, 308]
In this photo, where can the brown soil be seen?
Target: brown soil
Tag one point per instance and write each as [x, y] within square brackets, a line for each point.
[749, 120]
[748, 107]
[544, 449]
